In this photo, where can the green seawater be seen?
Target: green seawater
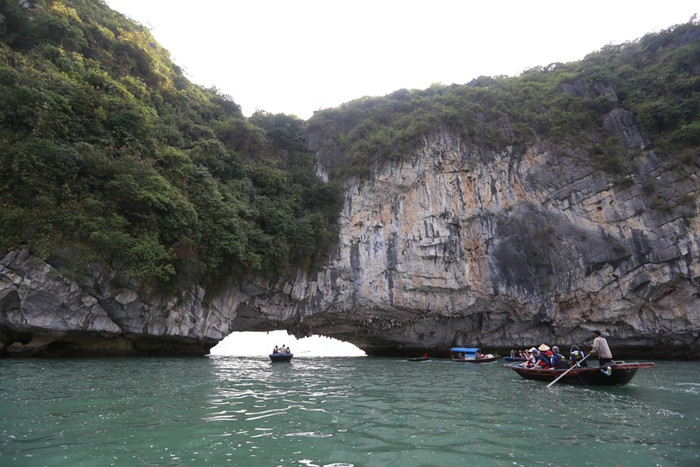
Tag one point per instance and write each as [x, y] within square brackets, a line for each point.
[342, 411]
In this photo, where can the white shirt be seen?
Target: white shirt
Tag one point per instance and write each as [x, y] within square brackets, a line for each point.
[600, 346]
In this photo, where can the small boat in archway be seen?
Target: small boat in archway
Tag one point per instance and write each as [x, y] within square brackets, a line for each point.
[281, 357]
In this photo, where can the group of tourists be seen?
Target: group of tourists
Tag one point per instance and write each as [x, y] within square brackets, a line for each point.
[545, 357]
[282, 349]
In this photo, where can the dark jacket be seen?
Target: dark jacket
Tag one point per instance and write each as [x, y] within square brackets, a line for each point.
[559, 361]
[577, 356]
[544, 361]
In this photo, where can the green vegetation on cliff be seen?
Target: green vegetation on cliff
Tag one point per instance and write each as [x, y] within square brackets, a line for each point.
[655, 78]
[109, 155]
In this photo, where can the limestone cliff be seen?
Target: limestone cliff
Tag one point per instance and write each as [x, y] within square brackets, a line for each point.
[479, 214]
[505, 249]
[453, 245]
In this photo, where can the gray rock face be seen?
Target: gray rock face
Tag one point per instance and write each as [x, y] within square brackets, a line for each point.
[453, 246]
[457, 247]
[42, 312]
[623, 125]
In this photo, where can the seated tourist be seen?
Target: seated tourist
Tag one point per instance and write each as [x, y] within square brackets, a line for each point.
[558, 360]
[575, 357]
[544, 357]
[544, 361]
[533, 356]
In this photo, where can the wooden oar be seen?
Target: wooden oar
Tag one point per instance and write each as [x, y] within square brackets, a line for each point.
[564, 374]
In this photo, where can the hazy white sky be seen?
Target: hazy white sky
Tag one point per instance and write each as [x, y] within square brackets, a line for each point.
[298, 56]
[255, 344]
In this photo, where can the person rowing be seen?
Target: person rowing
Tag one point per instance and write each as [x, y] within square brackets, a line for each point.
[600, 347]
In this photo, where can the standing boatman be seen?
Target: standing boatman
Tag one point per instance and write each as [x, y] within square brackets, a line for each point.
[600, 347]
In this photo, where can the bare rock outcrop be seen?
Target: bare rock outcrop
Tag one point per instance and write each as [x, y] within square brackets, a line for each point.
[43, 312]
[624, 125]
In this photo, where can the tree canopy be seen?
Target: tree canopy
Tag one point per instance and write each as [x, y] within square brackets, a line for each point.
[110, 155]
[655, 78]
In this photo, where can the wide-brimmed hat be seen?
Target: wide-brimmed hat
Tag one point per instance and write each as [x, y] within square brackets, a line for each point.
[543, 347]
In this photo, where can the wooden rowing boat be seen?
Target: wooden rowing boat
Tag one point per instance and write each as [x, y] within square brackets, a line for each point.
[621, 373]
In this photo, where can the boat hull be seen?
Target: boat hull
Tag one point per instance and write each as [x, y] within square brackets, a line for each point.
[471, 355]
[486, 359]
[622, 373]
[281, 357]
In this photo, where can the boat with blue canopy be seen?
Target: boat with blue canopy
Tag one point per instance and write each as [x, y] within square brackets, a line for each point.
[471, 355]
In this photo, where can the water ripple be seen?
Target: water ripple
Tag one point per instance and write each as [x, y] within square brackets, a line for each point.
[336, 412]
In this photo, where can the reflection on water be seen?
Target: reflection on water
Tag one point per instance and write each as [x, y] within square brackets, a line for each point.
[336, 411]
